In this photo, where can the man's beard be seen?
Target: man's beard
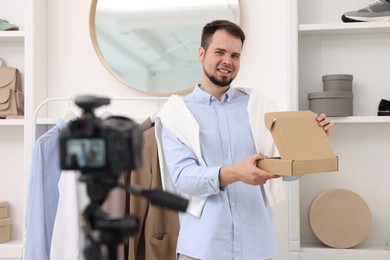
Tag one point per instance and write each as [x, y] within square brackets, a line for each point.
[220, 83]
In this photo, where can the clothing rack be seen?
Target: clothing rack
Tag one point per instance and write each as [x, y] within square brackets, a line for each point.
[127, 179]
[71, 99]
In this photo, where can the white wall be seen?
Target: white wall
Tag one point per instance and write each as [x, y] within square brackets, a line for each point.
[74, 68]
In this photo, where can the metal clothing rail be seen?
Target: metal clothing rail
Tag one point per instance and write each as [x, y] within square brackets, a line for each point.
[71, 99]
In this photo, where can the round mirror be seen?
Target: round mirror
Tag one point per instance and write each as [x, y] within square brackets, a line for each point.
[152, 45]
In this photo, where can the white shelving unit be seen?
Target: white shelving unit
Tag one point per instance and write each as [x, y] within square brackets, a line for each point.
[322, 44]
[12, 176]
[24, 49]
[343, 28]
[12, 122]
[14, 41]
[12, 36]
[361, 119]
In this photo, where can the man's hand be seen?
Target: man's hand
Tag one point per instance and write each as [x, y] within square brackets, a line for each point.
[325, 123]
[246, 171]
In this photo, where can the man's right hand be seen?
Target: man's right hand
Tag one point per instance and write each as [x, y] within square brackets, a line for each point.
[246, 171]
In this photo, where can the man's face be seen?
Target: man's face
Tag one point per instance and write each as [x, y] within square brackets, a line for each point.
[221, 61]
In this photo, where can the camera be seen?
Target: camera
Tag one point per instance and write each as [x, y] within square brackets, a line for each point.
[96, 146]
[103, 149]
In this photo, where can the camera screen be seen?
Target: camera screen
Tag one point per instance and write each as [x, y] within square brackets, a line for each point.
[85, 153]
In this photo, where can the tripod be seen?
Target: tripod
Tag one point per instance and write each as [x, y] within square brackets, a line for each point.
[103, 233]
[108, 232]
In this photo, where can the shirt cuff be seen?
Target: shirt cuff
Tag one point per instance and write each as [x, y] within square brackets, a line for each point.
[213, 179]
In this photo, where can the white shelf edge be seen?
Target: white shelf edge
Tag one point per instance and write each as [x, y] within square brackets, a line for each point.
[343, 28]
[361, 119]
[11, 122]
[366, 248]
[337, 120]
[46, 121]
[12, 249]
[53, 121]
[12, 36]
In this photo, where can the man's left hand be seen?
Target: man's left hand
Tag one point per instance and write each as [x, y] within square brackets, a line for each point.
[325, 123]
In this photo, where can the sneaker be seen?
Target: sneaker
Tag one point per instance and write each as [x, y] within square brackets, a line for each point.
[6, 26]
[377, 11]
[384, 110]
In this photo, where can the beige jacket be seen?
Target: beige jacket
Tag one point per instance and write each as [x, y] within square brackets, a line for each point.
[158, 228]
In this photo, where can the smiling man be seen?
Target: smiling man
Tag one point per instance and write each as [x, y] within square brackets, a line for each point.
[220, 56]
[209, 142]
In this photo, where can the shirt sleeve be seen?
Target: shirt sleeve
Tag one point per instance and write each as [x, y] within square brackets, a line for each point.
[34, 219]
[187, 175]
[66, 231]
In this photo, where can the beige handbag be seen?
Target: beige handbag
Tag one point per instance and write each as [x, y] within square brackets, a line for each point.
[11, 94]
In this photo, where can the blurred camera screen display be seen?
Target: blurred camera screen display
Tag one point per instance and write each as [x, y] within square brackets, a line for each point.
[85, 153]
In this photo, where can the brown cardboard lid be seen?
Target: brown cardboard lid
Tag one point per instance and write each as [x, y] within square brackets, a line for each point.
[3, 203]
[340, 218]
[298, 136]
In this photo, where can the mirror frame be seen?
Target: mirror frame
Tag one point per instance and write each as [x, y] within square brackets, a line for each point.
[92, 32]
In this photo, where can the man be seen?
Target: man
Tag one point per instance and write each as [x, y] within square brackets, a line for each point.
[209, 142]
[82, 157]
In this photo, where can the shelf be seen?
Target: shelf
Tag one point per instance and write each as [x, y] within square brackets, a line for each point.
[12, 249]
[46, 121]
[323, 44]
[11, 122]
[344, 28]
[11, 36]
[53, 121]
[360, 252]
[361, 119]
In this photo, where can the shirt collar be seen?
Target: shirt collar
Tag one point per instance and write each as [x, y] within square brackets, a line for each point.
[207, 98]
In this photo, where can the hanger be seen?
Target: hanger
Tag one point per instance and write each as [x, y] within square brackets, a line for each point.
[69, 115]
[106, 113]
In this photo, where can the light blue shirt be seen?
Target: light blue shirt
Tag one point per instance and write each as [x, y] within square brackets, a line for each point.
[235, 223]
[42, 198]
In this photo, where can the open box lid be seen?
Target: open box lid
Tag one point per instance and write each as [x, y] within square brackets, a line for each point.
[298, 136]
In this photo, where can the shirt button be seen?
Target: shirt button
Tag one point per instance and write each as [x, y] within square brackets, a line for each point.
[233, 204]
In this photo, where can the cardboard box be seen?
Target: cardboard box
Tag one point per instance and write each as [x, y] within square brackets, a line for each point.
[3, 209]
[5, 230]
[303, 145]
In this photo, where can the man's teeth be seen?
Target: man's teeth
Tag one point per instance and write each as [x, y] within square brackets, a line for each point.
[224, 70]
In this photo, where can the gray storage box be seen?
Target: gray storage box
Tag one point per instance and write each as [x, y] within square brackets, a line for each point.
[332, 103]
[337, 82]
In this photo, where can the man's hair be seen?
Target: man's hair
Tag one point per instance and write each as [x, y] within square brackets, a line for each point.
[210, 28]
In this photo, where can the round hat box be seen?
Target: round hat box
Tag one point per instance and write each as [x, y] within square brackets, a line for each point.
[337, 82]
[331, 103]
[340, 218]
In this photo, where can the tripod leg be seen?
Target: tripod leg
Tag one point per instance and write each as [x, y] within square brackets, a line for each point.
[92, 249]
[112, 251]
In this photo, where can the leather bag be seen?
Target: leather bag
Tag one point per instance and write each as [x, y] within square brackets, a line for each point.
[11, 94]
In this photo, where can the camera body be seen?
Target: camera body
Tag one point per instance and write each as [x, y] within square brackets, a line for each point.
[100, 146]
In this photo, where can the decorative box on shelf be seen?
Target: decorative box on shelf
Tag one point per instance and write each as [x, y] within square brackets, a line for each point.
[5, 223]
